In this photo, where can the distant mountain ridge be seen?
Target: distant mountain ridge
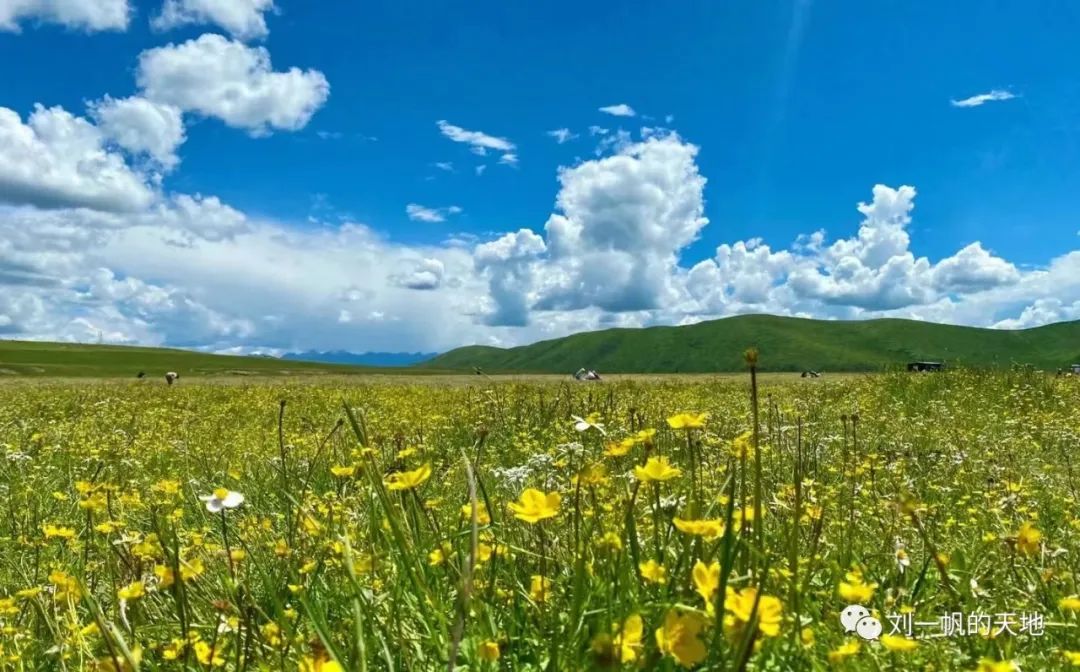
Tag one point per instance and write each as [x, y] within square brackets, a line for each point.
[785, 344]
[360, 358]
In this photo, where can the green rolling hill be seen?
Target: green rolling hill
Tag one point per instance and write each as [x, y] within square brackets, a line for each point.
[785, 344]
[25, 358]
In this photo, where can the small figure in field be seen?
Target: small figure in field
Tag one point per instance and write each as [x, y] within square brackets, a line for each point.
[171, 376]
[140, 375]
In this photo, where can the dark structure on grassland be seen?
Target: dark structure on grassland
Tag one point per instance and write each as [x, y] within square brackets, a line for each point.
[925, 366]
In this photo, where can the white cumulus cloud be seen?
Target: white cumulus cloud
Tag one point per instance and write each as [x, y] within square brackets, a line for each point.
[142, 126]
[217, 77]
[243, 19]
[56, 159]
[88, 15]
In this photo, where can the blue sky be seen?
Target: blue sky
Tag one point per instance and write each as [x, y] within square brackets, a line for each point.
[770, 120]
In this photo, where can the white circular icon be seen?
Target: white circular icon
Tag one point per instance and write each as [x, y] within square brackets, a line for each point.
[868, 628]
[850, 616]
[856, 618]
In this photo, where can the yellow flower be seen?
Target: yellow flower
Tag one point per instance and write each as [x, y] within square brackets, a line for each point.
[107, 527]
[706, 580]
[482, 515]
[539, 588]
[1027, 539]
[1070, 603]
[806, 636]
[488, 650]
[58, 532]
[644, 436]
[656, 469]
[343, 471]
[653, 572]
[740, 606]
[66, 585]
[271, 632]
[743, 445]
[28, 593]
[623, 645]
[688, 420]
[320, 662]
[593, 474]
[1073, 657]
[166, 487]
[208, 655]
[120, 664]
[439, 555]
[611, 541]
[679, 638]
[408, 480]
[898, 643]
[164, 575]
[843, 651]
[854, 590]
[987, 665]
[190, 569]
[618, 448]
[132, 591]
[534, 506]
[709, 529]
[628, 638]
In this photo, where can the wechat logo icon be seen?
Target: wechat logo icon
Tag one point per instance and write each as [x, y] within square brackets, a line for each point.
[856, 618]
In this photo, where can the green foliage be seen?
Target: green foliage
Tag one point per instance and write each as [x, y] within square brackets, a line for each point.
[785, 343]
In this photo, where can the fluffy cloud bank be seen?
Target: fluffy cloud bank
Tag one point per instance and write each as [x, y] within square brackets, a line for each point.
[95, 249]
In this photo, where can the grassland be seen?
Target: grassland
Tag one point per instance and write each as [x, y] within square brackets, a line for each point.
[791, 344]
[75, 360]
[537, 525]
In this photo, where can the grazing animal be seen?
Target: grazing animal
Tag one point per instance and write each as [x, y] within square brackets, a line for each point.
[140, 375]
[171, 376]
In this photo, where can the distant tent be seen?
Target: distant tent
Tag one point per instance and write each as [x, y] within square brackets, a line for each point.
[582, 374]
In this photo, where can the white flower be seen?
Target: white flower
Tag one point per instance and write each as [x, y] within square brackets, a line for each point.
[222, 499]
[902, 559]
[582, 424]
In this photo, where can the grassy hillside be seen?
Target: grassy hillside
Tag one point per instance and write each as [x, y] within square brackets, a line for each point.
[786, 344]
[22, 358]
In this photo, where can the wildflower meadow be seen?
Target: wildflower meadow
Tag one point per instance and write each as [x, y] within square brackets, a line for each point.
[708, 524]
